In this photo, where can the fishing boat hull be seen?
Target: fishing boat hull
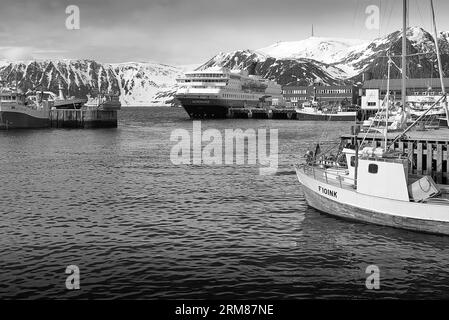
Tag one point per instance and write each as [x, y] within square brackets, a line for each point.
[340, 116]
[20, 119]
[348, 204]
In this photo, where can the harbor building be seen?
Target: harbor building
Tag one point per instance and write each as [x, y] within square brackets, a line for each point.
[421, 93]
[295, 96]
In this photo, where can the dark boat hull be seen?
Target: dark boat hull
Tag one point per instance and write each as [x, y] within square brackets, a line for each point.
[206, 112]
[205, 108]
[20, 120]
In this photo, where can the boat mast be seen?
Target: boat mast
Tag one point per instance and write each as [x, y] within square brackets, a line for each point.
[404, 53]
[440, 67]
[388, 103]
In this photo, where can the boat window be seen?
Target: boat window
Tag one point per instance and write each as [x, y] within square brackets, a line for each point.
[373, 168]
[353, 161]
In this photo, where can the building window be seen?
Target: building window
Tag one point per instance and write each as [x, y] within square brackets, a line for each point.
[373, 168]
[371, 104]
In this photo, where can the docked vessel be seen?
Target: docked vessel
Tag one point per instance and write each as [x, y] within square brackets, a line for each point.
[375, 187]
[104, 102]
[61, 101]
[211, 93]
[375, 184]
[17, 111]
[313, 111]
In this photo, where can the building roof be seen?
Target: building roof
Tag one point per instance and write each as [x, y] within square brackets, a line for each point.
[396, 84]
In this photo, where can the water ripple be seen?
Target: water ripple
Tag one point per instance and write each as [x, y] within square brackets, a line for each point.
[111, 202]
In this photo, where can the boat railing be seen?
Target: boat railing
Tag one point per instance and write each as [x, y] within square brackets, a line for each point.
[339, 178]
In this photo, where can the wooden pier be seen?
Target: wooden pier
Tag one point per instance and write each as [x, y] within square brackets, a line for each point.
[428, 150]
[83, 118]
[262, 113]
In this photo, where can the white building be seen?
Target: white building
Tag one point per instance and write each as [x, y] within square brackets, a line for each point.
[420, 92]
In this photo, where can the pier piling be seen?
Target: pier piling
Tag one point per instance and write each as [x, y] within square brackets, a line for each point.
[83, 118]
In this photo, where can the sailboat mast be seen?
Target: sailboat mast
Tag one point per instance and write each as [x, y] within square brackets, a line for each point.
[388, 103]
[404, 53]
[440, 67]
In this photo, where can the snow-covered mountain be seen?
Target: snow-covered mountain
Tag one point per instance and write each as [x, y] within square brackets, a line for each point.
[303, 71]
[326, 50]
[148, 84]
[331, 61]
[139, 84]
[326, 60]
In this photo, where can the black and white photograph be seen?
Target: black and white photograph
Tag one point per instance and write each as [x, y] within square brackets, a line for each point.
[198, 151]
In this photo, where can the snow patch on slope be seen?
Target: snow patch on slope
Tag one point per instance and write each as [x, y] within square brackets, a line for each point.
[146, 84]
[326, 50]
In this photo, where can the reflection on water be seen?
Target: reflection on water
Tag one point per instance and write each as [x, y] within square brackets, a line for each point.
[111, 202]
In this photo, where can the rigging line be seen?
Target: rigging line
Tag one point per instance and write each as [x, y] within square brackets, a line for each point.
[380, 19]
[442, 99]
[400, 69]
[370, 126]
[325, 132]
[331, 147]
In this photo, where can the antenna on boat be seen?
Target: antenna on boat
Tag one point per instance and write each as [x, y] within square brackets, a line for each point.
[440, 67]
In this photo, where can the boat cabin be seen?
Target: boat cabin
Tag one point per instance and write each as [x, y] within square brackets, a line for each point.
[386, 175]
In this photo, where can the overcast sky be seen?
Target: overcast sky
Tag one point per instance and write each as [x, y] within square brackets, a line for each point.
[188, 31]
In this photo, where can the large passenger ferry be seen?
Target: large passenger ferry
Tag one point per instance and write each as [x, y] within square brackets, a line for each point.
[210, 93]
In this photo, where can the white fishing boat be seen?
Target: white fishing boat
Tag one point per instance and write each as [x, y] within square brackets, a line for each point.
[374, 185]
[313, 111]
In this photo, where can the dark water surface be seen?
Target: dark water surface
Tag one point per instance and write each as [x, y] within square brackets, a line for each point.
[111, 202]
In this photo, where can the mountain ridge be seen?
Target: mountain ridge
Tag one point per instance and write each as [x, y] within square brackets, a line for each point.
[330, 61]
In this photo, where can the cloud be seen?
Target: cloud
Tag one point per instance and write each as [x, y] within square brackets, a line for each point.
[177, 31]
[18, 53]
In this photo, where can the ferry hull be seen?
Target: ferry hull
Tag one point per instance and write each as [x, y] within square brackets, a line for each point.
[20, 120]
[206, 111]
[212, 108]
[325, 117]
[351, 205]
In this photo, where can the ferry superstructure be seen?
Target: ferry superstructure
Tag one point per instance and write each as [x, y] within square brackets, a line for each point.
[210, 93]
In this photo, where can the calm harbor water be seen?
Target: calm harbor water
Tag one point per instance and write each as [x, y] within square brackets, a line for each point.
[111, 202]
